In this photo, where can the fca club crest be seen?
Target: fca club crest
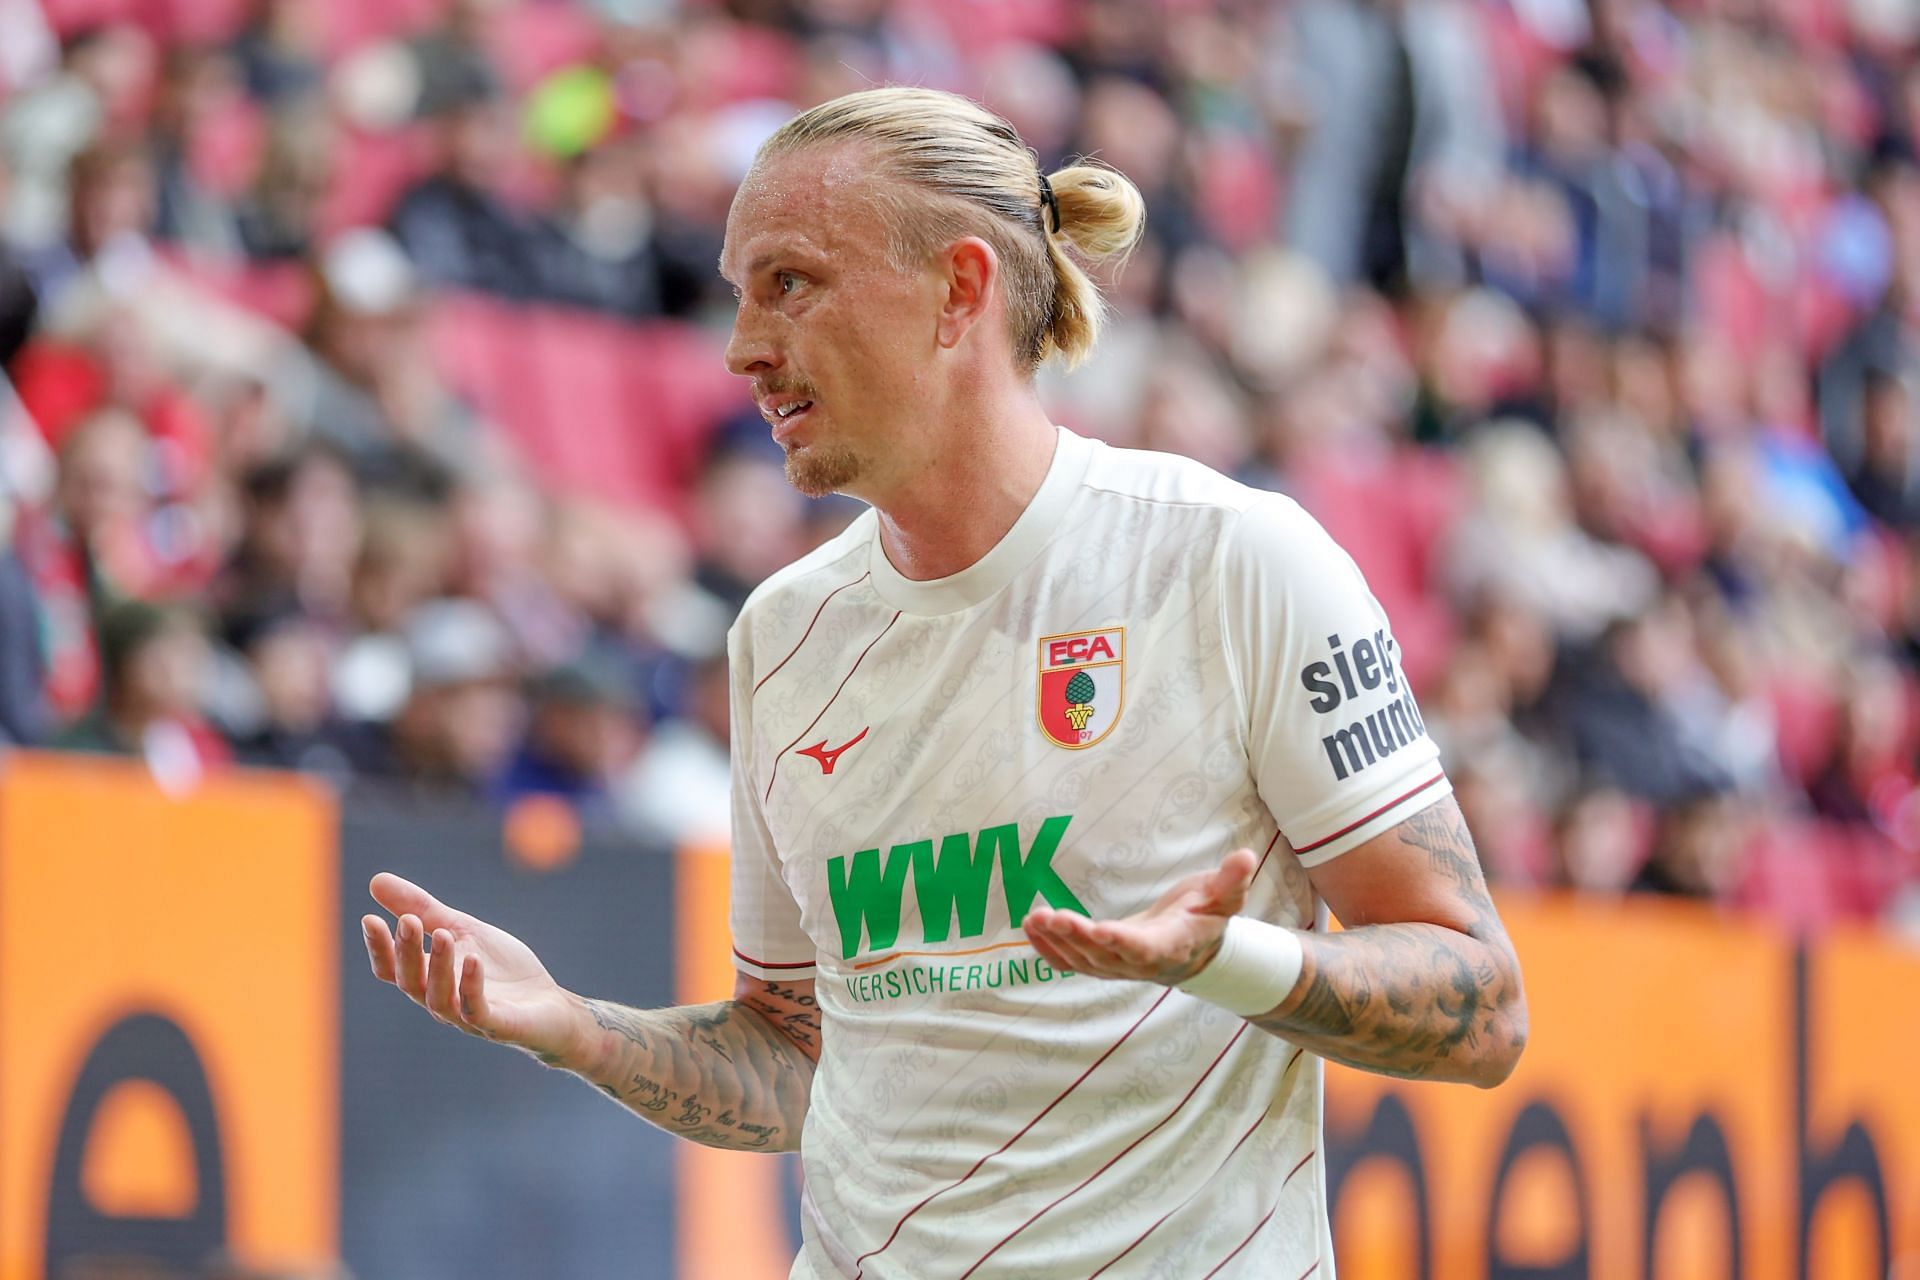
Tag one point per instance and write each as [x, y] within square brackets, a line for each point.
[1081, 683]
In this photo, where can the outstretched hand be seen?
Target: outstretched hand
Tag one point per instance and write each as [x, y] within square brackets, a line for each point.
[1169, 942]
[478, 978]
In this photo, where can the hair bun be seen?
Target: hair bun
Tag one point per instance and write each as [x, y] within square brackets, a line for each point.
[1102, 217]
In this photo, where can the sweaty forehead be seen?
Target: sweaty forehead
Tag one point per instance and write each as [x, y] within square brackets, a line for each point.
[817, 201]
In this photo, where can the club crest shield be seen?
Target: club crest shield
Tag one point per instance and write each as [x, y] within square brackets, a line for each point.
[1082, 685]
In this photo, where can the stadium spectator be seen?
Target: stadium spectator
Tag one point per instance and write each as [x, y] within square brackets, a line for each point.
[1601, 838]
[289, 720]
[113, 208]
[23, 715]
[1697, 851]
[299, 537]
[404, 554]
[153, 659]
[23, 666]
[462, 715]
[1622, 703]
[365, 383]
[103, 78]
[677, 787]
[749, 523]
[581, 734]
[280, 50]
[1869, 772]
[456, 224]
[87, 548]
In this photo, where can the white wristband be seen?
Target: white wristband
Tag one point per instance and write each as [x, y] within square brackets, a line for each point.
[1253, 971]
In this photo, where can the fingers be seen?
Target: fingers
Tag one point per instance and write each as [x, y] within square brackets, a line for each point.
[404, 897]
[1072, 942]
[1121, 943]
[442, 970]
[1228, 885]
[411, 964]
[473, 991]
[448, 981]
[379, 947]
[1051, 951]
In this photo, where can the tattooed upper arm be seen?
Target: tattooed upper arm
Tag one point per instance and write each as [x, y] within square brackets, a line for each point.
[1423, 982]
[788, 1005]
[1425, 870]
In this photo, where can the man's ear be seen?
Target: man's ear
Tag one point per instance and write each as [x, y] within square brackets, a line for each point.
[971, 279]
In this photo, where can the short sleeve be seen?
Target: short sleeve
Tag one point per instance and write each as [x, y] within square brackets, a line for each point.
[768, 940]
[1336, 742]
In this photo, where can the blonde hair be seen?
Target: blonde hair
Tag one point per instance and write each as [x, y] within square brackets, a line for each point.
[958, 170]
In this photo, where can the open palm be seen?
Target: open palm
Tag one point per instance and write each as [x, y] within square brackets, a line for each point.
[478, 978]
[1169, 942]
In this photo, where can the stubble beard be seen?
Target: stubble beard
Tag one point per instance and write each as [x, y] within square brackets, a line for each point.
[821, 469]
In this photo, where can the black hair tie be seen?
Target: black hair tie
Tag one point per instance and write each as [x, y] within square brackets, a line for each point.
[1050, 202]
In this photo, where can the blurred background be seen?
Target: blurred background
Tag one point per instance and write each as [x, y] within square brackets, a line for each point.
[363, 416]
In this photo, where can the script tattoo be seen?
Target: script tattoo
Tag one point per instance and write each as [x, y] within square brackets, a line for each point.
[794, 1011]
[733, 1074]
[1415, 1000]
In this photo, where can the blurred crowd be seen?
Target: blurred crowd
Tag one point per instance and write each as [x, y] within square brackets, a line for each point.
[1590, 327]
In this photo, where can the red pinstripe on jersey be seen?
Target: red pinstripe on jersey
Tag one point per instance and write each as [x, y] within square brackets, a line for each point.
[1085, 1182]
[809, 631]
[1224, 1162]
[803, 964]
[859, 1263]
[1222, 1264]
[1355, 826]
[1268, 854]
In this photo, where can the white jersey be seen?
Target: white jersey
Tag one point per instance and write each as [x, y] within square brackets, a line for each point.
[1154, 667]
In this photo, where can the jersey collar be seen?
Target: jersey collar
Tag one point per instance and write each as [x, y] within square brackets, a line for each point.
[1022, 543]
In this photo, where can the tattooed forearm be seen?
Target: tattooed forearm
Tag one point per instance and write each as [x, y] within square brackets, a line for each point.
[1416, 1000]
[726, 1074]
[1413, 1000]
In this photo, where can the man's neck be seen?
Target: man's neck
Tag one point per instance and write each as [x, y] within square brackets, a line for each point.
[960, 506]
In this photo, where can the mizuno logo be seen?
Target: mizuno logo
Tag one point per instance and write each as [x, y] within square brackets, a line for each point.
[829, 757]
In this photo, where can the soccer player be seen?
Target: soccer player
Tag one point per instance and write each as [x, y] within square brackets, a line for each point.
[1043, 771]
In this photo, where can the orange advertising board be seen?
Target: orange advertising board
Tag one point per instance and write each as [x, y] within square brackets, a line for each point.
[168, 1019]
[1699, 1099]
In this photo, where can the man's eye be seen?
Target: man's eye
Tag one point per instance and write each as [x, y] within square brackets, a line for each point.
[787, 281]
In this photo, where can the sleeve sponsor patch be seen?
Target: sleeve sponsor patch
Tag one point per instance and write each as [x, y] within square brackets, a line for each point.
[1362, 696]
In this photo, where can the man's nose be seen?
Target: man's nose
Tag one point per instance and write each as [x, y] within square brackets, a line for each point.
[749, 351]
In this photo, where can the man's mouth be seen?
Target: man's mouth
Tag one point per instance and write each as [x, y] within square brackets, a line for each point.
[787, 417]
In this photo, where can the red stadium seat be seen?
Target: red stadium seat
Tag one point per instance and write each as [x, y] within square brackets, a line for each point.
[1808, 715]
[600, 407]
[370, 171]
[69, 17]
[530, 42]
[1868, 869]
[283, 292]
[205, 21]
[352, 23]
[1788, 877]
[978, 25]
